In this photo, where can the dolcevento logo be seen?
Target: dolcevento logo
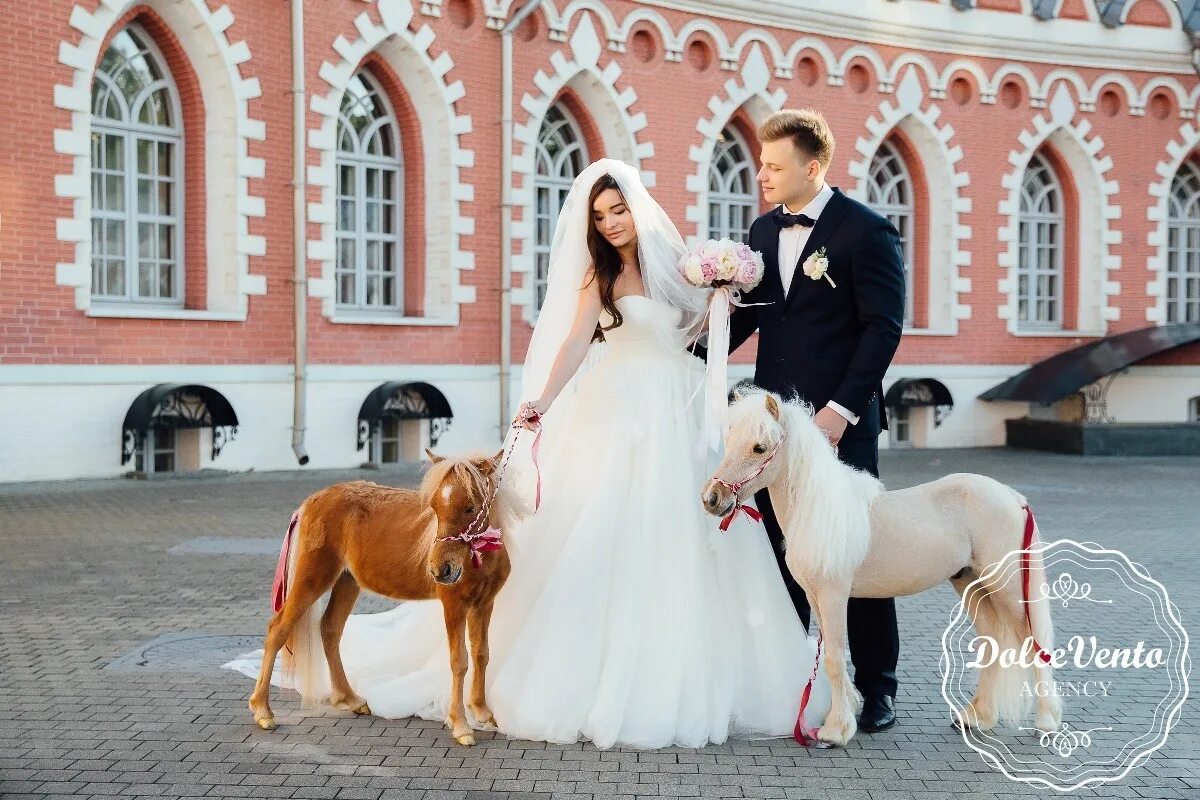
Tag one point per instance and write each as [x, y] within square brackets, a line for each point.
[1093, 692]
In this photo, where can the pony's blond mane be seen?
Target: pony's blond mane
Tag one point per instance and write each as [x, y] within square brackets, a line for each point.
[830, 502]
[467, 474]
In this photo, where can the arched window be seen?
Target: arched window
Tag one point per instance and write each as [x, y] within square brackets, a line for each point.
[561, 155]
[732, 194]
[1183, 246]
[1040, 253]
[137, 176]
[890, 193]
[369, 201]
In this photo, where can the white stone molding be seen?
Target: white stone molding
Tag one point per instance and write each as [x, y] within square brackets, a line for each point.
[882, 76]
[817, 46]
[1187, 105]
[946, 237]
[1178, 150]
[1032, 85]
[982, 81]
[1083, 97]
[1097, 210]
[423, 75]
[714, 31]
[618, 128]
[752, 92]
[220, 66]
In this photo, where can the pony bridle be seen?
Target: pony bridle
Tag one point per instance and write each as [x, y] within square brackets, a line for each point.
[736, 488]
[488, 539]
[481, 541]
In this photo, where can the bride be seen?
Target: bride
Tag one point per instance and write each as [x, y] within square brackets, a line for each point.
[628, 618]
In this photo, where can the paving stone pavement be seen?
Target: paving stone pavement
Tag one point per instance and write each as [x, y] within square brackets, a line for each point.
[105, 692]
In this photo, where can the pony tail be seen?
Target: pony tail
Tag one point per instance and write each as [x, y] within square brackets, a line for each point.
[302, 660]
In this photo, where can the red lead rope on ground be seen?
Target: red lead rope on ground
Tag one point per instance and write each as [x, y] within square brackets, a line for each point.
[804, 735]
[1026, 543]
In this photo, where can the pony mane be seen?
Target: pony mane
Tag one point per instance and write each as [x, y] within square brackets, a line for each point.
[829, 502]
[467, 474]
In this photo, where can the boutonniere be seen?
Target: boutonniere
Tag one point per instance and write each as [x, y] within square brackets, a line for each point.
[816, 266]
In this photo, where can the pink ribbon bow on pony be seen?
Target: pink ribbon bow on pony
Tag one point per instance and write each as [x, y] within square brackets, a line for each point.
[750, 511]
[484, 542]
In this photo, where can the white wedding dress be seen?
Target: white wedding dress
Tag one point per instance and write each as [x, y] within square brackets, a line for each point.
[629, 618]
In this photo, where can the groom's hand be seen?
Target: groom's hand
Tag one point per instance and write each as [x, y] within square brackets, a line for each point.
[832, 423]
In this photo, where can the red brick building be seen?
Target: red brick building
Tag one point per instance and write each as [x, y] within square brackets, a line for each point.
[1038, 156]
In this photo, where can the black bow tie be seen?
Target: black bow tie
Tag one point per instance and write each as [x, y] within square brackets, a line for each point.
[786, 220]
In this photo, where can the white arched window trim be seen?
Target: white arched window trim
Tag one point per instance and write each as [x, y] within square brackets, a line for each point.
[732, 190]
[1183, 246]
[379, 289]
[1040, 273]
[124, 226]
[890, 193]
[550, 187]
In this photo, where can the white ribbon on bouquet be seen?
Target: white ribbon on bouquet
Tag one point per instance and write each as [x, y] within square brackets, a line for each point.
[716, 374]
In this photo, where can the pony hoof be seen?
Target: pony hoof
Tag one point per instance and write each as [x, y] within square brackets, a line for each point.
[838, 734]
[1048, 723]
[977, 723]
[352, 703]
[266, 723]
[483, 716]
[466, 739]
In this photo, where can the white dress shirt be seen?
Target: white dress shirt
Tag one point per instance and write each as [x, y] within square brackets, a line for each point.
[793, 239]
[791, 245]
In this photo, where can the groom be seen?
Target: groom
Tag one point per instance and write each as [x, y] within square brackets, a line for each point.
[828, 336]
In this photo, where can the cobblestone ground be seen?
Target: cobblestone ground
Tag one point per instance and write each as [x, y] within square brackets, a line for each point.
[118, 598]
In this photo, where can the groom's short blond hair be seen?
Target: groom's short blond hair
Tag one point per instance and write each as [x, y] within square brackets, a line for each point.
[807, 129]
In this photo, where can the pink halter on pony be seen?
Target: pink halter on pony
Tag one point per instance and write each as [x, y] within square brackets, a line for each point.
[736, 488]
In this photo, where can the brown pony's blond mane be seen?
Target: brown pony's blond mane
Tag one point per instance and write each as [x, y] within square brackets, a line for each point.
[465, 473]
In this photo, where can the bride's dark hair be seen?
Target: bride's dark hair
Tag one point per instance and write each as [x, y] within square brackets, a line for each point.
[606, 261]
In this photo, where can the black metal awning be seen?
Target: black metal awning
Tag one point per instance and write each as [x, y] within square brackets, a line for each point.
[1065, 373]
[403, 400]
[172, 406]
[919, 393]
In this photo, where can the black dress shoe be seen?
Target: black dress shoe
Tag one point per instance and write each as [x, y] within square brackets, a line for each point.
[878, 714]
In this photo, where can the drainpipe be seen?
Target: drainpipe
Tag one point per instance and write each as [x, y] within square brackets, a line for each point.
[506, 207]
[300, 277]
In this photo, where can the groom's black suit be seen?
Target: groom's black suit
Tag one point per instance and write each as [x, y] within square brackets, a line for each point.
[834, 344]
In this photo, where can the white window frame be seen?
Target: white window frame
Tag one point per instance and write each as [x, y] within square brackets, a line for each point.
[1033, 302]
[389, 168]
[731, 164]
[379, 437]
[900, 426]
[560, 172]
[890, 194]
[151, 447]
[131, 133]
[1182, 289]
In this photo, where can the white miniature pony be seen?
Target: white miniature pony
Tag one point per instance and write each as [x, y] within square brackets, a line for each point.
[845, 536]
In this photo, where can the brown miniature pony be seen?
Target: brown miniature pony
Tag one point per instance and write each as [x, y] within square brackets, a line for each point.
[403, 544]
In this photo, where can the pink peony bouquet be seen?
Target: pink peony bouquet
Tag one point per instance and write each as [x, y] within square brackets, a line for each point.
[724, 262]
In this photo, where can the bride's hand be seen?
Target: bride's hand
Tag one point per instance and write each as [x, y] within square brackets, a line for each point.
[529, 414]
